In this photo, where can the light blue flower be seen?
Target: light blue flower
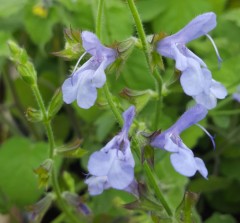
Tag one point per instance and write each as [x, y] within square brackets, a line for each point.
[182, 158]
[82, 85]
[113, 165]
[196, 79]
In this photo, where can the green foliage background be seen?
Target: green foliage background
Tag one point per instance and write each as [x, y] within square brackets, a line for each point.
[38, 27]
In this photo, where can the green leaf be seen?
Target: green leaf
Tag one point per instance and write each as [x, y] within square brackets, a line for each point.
[40, 29]
[221, 218]
[174, 185]
[104, 125]
[148, 9]
[18, 158]
[117, 25]
[10, 7]
[4, 37]
[213, 184]
[172, 19]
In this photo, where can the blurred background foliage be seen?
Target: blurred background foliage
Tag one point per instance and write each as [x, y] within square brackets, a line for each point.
[38, 27]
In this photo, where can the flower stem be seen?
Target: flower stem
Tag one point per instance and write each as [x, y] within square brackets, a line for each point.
[140, 30]
[157, 191]
[146, 49]
[55, 184]
[99, 18]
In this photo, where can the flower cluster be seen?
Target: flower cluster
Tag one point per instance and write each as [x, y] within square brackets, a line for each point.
[113, 165]
[196, 79]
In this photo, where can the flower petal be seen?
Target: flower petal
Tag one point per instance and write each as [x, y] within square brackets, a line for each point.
[121, 174]
[90, 42]
[184, 162]
[96, 185]
[128, 117]
[170, 146]
[199, 26]
[69, 90]
[207, 100]
[100, 162]
[99, 76]
[190, 117]
[218, 90]
[201, 167]
[192, 80]
[87, 93]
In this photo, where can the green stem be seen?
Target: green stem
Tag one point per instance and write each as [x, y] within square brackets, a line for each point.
[156, 189]
[110, 101]
[145, 45]
[158, 84]
[55, 183]
[140, 30]
[99, 18]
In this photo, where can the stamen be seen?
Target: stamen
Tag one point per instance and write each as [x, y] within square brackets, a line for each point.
[79, 60]
[209, 135]
[216, 50]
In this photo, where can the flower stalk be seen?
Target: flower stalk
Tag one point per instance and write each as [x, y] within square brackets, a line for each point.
[49, 131]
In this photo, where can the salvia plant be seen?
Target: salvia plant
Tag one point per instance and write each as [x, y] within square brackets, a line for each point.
[141, 165]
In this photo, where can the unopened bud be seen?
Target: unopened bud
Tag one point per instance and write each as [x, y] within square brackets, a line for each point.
[75, 201]
[22, 63]
[34, 115]
[37, 211]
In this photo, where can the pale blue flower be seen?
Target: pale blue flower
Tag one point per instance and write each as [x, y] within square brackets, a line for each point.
[82, 85]
[113, 165]
[196, 79]
[182, 158]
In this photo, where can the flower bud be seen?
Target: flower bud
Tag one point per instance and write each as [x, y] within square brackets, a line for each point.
[22, 63]
[75, 201]
[34, 115]
[73, 46]
[37, 211]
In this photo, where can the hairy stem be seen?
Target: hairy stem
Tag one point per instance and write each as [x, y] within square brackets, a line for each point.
[49, 131]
